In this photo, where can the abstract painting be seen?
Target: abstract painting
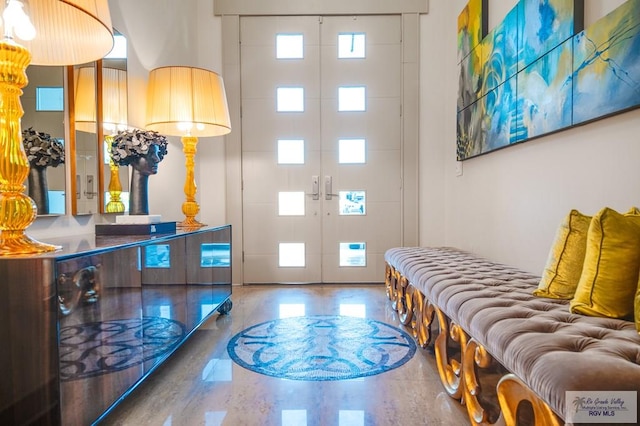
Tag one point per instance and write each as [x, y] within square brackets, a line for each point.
[544, 94]
[545, 24]
[472, 27]
[470, 86]
[607, 65]
[501, 45]
[538, 72]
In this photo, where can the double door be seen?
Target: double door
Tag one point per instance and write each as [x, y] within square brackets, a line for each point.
[321, 147]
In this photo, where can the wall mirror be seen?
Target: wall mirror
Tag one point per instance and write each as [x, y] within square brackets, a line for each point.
[99, 111]
[43, 125]
[84, 128]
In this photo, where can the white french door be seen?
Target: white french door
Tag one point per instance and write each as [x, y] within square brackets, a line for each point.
[321, 147]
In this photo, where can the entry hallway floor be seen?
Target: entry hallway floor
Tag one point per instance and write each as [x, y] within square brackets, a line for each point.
[201, 385]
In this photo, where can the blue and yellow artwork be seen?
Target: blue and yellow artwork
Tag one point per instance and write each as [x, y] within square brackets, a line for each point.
[470, 135]
[500, 115]
[607, 65]
[544, 93]
[471, 30]
[472, 27]
[470, 87]
[501, 45]
[545, 24]
[540, 73]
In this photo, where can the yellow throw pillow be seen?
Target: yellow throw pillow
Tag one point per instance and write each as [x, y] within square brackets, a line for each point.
[564, 264]
[637, 308]
[609, 279]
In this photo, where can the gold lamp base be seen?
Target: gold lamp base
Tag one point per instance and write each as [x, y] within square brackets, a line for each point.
[17, 210]
[190, 207]
[115, 204]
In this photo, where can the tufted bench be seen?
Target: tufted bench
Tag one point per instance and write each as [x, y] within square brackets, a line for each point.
[488, 313]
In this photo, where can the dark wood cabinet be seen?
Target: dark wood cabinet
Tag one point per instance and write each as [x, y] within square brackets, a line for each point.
[81, 327]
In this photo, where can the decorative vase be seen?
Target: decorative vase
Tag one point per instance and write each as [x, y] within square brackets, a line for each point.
[38, 188]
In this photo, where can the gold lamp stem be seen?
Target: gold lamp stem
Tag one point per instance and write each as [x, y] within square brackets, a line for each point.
[17, 210]
[190, 207]
[115, 205]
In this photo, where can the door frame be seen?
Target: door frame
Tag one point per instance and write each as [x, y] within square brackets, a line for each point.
[410, 125]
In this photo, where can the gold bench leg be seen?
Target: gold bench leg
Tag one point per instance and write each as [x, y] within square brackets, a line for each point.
[422, 318]
[512, 391]
[475, 356]
[449, 369]
[405, 301]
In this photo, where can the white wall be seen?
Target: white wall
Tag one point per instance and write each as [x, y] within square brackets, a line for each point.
[507, 204]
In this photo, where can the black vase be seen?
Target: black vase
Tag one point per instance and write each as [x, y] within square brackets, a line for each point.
[38, 188]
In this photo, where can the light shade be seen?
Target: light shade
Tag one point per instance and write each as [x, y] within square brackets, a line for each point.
[68, 32]
[85, 99]
[187, 101]
[114, 99]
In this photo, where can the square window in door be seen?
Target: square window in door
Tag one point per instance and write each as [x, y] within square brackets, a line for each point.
[291, 255]
[351, 151]
[351, 46]
[352, 203]
[351, 99]
[289, 46]
[290, 151]
[353, 254]
[290, 99]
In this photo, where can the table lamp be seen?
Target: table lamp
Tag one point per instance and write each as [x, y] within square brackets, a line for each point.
[48, 32]
[187, 102]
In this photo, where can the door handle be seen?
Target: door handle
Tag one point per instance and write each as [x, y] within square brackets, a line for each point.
[315, 187]
[328, 188]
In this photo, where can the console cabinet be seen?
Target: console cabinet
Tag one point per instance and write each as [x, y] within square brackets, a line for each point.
[80, 327]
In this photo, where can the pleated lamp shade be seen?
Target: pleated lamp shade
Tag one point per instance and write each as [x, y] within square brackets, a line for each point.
[85, 99]
[68, 32]
[114, 100]
[187, 101]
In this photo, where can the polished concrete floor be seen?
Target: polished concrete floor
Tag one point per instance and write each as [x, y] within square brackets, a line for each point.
[201, 385]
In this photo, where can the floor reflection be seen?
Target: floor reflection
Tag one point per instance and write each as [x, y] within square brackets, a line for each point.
[200, 385]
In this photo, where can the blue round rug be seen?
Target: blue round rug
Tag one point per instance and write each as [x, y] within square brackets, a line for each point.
[321, 348]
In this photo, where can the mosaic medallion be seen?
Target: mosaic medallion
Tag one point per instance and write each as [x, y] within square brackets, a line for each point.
[321, 348]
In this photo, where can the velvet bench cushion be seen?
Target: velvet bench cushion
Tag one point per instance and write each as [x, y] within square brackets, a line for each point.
[550, 349]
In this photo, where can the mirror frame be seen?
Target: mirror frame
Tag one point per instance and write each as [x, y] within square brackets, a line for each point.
[33, 122]
[72, 154]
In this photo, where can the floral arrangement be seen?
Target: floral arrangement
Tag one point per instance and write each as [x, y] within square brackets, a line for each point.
[129, 145]
[42, 150]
